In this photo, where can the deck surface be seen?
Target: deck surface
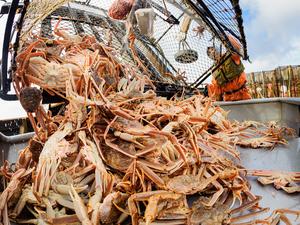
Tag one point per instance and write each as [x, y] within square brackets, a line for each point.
[282, 158]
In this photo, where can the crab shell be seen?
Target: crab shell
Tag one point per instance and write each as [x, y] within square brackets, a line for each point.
[30, 98]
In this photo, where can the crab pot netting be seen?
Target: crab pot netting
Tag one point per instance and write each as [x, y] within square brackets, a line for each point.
[158, 53]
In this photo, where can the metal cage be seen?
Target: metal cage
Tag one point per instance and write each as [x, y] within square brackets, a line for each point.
[217, 17]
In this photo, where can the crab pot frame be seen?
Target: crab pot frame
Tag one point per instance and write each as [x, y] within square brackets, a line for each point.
[218, 18]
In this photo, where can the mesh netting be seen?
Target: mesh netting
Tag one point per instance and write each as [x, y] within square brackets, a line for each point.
[160, 53]
[229, 16]
[165, 44]
[36, 12]
[224, 13]
[166, 38]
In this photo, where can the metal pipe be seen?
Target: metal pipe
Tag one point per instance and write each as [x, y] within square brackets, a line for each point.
[156, 42]
[5, 83]
[16, 138]
[224, 37]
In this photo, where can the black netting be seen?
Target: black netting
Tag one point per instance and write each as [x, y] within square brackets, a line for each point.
[166, 36]
[84, 23]
[195, 42]
[228, 15]
[168, 58]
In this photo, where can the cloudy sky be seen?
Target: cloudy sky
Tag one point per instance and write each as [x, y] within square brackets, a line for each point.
[272, 32]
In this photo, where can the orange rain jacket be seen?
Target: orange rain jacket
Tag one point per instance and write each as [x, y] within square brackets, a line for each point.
[233, 90]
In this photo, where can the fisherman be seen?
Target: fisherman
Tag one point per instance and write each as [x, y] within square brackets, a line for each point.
[229, 79]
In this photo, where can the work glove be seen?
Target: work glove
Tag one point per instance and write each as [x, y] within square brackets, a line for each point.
[205, 92]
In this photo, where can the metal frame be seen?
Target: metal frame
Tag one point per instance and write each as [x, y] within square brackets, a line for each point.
[212, 23]
[9, 32]
[5, 80]
[209, 72]
[170, 18]
[217, 28]
[238, 12]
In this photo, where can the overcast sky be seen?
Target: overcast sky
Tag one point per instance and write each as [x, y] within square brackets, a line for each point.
[272, 32]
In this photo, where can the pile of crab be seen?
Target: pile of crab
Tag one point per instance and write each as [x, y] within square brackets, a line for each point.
[117, 154]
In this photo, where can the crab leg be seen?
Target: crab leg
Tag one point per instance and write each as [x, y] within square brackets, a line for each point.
[79, 207]
[174, 141]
